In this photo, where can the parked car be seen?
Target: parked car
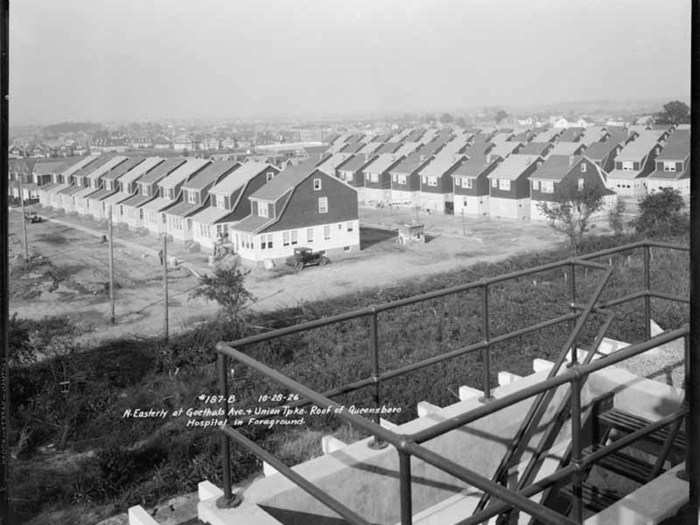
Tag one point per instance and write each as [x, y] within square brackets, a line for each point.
[305, 257]
[32, 217]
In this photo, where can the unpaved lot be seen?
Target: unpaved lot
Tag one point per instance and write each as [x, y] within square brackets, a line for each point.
[69, 276]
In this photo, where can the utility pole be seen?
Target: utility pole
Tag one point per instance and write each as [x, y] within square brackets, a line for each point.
[464, 226]
[164, 258]
[24, 220]
[111, 268]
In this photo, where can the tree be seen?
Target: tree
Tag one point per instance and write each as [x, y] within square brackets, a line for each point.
[446, 118]
[661, 213]
[615, 217]
[461, 122]
[225, 287]
[500, 116]
[675, 112]
[570, 212]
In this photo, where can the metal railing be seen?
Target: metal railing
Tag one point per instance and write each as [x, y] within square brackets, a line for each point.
[410, 445]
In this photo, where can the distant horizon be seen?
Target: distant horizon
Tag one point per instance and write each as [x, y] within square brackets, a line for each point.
[524, 109]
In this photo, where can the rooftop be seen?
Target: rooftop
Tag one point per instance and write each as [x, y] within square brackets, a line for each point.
[210, 174]
[181, 174]
[513, 166]
[285, 181]
[241, 176]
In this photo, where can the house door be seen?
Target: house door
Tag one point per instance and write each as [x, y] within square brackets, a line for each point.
[449, 208]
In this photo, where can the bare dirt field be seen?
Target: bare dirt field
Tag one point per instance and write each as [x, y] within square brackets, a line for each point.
[70, 276]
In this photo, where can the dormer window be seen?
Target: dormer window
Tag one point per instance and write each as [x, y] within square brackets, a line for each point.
[262, 210]
[317, 184]
[192, 197]
[269, 175]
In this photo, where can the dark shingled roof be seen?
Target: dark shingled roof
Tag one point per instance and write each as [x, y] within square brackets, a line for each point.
[210, 174]
[677, 146]
[534, 148]
[571, 134]
[599, 150]
[355, 163]
[285, 181]
[162, 170]
[555, 167]
[122, 168]
[474, 165]
[389, 147]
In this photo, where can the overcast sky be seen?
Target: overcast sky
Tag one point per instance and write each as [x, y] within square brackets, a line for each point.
[151, 59]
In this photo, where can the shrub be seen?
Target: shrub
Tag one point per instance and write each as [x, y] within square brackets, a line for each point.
[661, 214]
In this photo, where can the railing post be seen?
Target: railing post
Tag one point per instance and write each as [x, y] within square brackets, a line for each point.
[647, 290]
[228, 499]
[486, 350]
[374, 348]
[405, 488]
[572, 308]
[576, 384]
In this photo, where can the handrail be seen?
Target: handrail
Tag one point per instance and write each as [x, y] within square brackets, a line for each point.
[539, 407]
[408, 445]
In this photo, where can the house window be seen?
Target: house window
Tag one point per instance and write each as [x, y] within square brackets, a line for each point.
[468, 183]
[327, 232]
[317, 184]
[536, 185]
[262, 210]
[547, 186]
[269, 175]
[323, 205]
[583, 167]
[269, 241]
[504, 184]
[374, 177]
[494, 183]
[262, 242]
[580, 184]
[402, 179]
[294, 237]
[432, 181]
[669, 166]
[349, 226]
[285, 238]
[309, 235]
[192, 197]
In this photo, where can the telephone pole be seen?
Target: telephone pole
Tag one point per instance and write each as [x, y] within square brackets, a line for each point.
[24, 220]
[164, 262]
[111, 268]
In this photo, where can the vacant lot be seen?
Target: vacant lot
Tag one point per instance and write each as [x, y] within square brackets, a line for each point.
[71, 273]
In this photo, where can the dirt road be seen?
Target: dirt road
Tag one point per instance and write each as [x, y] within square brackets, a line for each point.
[71, 280]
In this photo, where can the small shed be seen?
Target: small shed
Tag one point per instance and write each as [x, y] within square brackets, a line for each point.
[409, 233]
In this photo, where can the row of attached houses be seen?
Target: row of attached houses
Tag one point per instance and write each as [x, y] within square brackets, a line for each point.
[263, 213]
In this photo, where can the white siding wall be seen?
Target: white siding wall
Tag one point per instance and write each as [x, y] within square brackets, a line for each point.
[409, 198]
[471, 205]
[435, 202]
[509, 208]
[628, 187]
[340, 238]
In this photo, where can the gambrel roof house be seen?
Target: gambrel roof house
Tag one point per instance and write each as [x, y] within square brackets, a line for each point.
[514, 167]
[369, 148]
[436, 176]
[351, 170]
[194, 193]
[147, 184]
[125, 184]
[604, 153]
[470, 176]
[523, 136]
[108, 184]
[673, 163]
[633, 163]
[330, 164]
[228, 199]
[377, 171]
[169, 186]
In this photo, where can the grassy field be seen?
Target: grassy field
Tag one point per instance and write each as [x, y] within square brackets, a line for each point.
[76, 455]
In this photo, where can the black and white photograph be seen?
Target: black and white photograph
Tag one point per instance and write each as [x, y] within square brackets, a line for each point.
[369, 262]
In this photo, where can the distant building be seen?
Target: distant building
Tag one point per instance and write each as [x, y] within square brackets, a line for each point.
[672, 168]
